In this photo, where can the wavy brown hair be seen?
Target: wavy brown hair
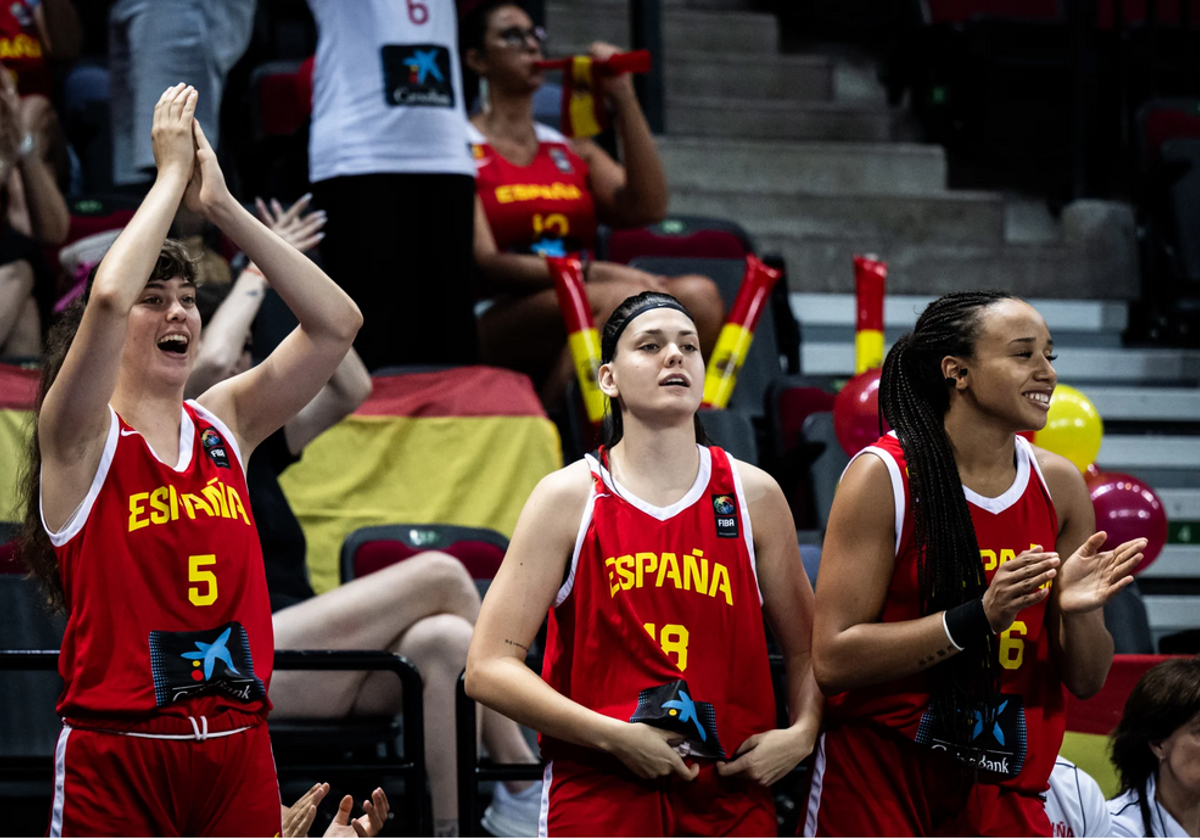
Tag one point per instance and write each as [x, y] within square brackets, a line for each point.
[34, 548]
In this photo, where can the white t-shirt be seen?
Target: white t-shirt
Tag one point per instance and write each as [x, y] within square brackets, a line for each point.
[1127, 816]
[1075, 804]
[387, 89]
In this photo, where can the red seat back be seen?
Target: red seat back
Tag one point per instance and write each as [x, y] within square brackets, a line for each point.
[681, 237]
[481, 559]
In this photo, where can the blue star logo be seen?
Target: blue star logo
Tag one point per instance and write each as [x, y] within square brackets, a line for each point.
[547, 247]
[687, 711]
[424, 64]
[997, 733]
[212, 652]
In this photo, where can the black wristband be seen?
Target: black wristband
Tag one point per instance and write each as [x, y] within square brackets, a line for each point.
[967, 624]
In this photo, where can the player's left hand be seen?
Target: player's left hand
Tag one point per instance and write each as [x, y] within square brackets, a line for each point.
[207, 189]
[1090, 577]
[767, 757]
[298, 818]
[368, 825]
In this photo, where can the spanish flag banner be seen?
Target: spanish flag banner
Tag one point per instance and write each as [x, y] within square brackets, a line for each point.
[734, 341]
[582, 338]
[584, 113]
[463, 446]
[870, 274]
[18, 393]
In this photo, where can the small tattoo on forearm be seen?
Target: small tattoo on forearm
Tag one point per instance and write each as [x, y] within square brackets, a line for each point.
[925, 662]
[516, 644]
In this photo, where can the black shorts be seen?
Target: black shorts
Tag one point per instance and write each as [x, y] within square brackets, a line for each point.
[401, 245]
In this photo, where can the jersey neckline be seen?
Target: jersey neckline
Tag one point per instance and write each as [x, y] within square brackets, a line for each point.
[187, 430]
[662, 513]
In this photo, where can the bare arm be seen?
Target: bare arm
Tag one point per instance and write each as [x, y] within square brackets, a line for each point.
[31, 124]
[261, 400]
[59, 28]
[636, 193]
[74, 417]
[224, 336]
[517, 603]
[788, 604]
[1080, 643]
[347, 390]
[521, 273]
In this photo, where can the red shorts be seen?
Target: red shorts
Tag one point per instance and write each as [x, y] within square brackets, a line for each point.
[869, 782]
[112, 785]
[584, 800]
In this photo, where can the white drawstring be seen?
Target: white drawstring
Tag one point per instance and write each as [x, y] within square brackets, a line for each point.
[201, 732]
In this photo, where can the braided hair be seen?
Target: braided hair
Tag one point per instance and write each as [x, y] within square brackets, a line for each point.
[914, 397]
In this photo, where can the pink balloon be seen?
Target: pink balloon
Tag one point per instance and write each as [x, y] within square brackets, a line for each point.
[856, 412]
[1128, 508]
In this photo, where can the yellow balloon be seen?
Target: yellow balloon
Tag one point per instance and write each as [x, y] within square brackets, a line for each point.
[1073, 428]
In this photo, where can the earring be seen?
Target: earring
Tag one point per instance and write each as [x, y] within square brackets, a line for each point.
[485, 96]
[951, 381]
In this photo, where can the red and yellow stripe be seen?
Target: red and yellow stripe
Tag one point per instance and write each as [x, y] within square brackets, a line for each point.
[870, 276]
[736, 336]
[582, 337]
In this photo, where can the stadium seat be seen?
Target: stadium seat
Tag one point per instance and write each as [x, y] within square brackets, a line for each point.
[829, 464]
[367, 550]
[790, 401]
[1125, 617]
[733, 431]
[678, 236]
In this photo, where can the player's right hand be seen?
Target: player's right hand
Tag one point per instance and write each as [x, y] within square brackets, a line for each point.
[650, 752]
[1018, 584]
[171, 133]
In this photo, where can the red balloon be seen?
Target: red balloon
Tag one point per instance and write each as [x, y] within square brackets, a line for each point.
[856, 415]
[1128, 508]
[1092, 473]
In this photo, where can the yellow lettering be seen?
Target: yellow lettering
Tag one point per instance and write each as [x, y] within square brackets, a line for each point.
[135, 509]
[695, 572]
[989, 559]
[6, 49]
[649, 628]
[674, 640]
[160, 514]
[625, 570]
[613, 585]
[720, 583]
[668, 567]
[193, 502]
[236, 508]
[647, 563]
[1007, 554]
[217, 499]
[504, 194]
[174, 503]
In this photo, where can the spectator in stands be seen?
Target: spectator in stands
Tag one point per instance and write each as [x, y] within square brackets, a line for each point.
[32, 31]
[152, 45]
[582, 185]
[1075, 804]
[299, 817]
[34, 215]
[1156, 750]
[388, 161]
[423, 608]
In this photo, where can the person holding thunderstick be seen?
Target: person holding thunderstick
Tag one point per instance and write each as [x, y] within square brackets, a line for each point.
[138, 520]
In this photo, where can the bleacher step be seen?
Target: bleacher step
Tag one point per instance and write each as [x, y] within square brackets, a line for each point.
[832, 310]
[951, 217]
[815, 167]
[1126, 453]
[790, 78]
[1176, 561]
[1176, 405]
[1028, 269]
[732, 117]
[573, 27]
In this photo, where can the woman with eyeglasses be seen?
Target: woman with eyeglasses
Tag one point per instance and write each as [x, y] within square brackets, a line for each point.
[389, 163]
[541, 194]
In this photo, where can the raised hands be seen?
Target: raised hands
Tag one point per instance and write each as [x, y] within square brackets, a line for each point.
[1091, 577]
[368, 825]
[299, 229]
[206, 189]
[171, 134]
[1017, 585]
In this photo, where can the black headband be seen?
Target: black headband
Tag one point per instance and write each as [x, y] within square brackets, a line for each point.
[640, 310]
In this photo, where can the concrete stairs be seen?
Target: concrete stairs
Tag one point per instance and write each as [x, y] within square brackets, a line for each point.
[803, 151]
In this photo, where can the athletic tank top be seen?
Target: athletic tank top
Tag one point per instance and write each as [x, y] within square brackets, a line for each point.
[21, 49]
[544, 208]
[165, 589]
[660, 618]
[1018, 740]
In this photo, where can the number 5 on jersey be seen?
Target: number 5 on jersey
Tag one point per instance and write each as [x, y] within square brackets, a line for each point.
[197, 574]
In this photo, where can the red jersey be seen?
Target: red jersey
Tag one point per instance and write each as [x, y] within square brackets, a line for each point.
[546, 207]
[660, 618]
[21, 49]
[165, 589]
[1021, 744]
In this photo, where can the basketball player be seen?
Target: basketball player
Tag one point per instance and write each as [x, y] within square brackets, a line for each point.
[657, 558]
[148, 540]
[947, 623]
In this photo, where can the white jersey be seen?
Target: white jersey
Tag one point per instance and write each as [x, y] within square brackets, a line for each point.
[1127, 821]
[1075, 804]
[387, 89]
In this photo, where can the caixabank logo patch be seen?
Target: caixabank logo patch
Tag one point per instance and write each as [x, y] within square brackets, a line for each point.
[203, 662]
[417, 75]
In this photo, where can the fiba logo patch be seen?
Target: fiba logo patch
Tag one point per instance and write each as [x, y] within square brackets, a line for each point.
[725, 513]
[215, 447]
